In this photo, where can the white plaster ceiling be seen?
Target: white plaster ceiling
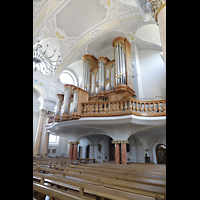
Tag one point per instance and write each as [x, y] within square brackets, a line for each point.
[149, 33]
[78, 16]
[88, 26]
[103, 44]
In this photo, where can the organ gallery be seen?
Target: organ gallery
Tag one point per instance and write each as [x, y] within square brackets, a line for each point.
[103, 80]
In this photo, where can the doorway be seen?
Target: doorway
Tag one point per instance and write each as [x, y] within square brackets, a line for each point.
[111, 150]
[87, 151]
[161, 154]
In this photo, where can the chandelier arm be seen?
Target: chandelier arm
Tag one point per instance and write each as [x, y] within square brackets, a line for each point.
[45, 50]
[50, 66]
[50, 62]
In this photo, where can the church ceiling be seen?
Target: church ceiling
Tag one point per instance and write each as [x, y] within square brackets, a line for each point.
[80, 26]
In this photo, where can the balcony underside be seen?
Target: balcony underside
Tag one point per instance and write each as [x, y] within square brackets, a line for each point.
[117, 127]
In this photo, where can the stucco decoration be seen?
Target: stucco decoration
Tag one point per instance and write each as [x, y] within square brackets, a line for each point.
[48, 105]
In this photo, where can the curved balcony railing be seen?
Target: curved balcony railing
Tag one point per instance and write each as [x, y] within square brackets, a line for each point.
[118, 108]
[124, 107]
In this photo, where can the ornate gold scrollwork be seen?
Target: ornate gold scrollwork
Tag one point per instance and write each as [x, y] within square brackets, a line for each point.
[88, 60]
[157, 5]
[120, 43]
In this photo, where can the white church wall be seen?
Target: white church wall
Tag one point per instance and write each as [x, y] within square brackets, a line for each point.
[132, 154]
[64, 147]
[150, 73]
[61, 148]
[137, 83]
[103, 154]
[153, 74]
[83, 145]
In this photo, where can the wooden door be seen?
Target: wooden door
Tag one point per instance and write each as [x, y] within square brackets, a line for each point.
[161, 154]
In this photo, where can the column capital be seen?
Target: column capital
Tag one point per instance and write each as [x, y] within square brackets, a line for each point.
[47, 113]
[156, 6]
[48, 105]
[60, 97]
[120, 141]
[73, 142]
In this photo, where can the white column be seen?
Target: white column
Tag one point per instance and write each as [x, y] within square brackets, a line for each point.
[158, 8]
[38, 138]
[162, 28]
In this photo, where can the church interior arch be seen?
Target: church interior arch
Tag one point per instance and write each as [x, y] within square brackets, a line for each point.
[98, 147]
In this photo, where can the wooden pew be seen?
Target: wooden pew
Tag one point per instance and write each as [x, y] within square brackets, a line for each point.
[86, 160]
[139, 188]
[97, 190]
[55, 193]
[121, 171]
[149, 170]
[113, 175]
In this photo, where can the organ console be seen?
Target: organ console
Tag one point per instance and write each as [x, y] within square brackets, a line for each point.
[103, 80]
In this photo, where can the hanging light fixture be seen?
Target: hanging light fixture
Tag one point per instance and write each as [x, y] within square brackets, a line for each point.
[41, 59]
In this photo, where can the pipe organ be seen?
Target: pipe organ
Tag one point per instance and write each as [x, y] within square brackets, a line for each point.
[69, 105]
[111, 79]
[103, 80]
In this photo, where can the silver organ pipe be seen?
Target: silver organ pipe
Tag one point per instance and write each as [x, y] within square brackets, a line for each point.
[101, 76]
[86, 77]
[117, 65]
[123, 66]
[58, 107]
[75, 101]
[65, 106]
[120, 65]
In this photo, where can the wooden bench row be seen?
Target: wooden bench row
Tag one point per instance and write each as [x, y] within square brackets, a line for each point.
[47, 161]
[133, 187]
[114, 175]
[54, 193]
[121, 171]
[150, 169]
[84, 187]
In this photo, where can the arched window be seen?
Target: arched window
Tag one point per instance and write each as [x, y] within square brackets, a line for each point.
[68, 77]
[53, 139]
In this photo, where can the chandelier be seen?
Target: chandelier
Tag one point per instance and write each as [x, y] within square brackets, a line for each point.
[42, 61]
